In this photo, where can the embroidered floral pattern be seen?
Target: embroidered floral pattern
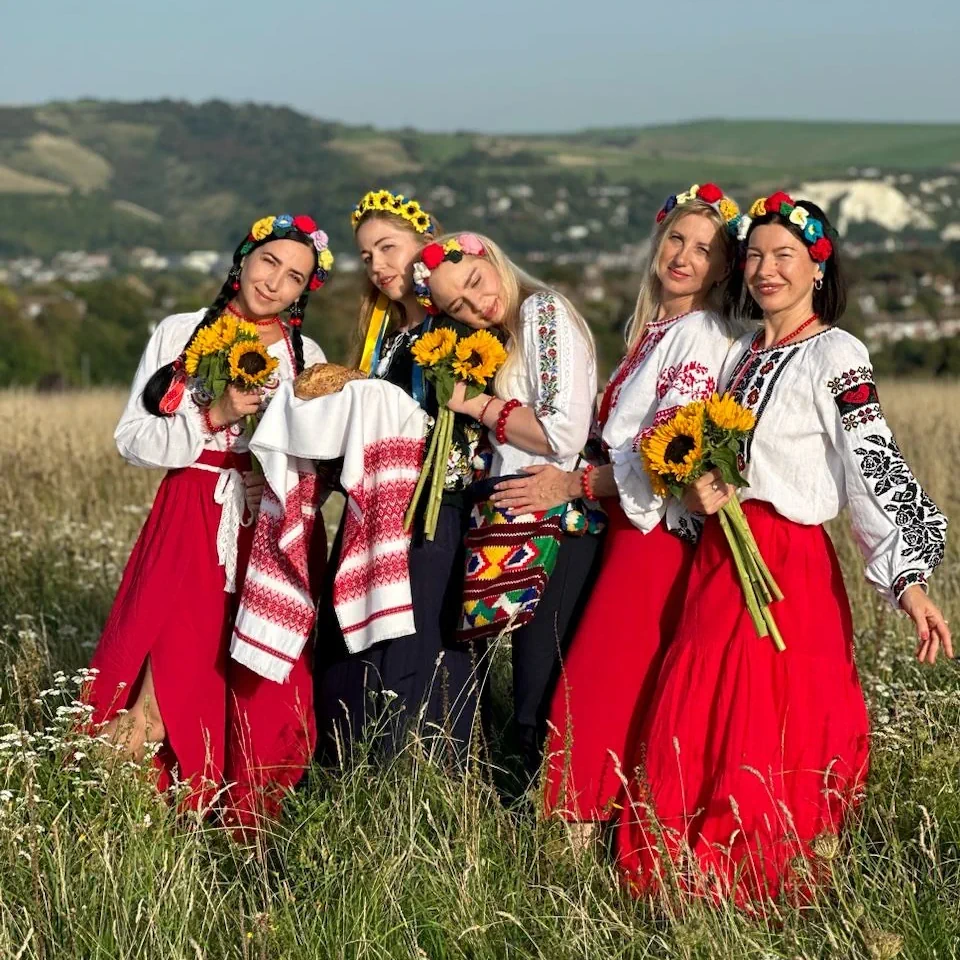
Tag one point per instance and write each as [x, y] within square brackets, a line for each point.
[691, 380]
[909, 579]
[754, 378]
[688, 528]
[858, 403]
[652, 336]
[548, 359]
[922, 526]
[850, 378]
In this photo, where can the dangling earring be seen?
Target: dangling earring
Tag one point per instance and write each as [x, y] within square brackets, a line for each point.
[818, 283]
[234, 277]
[296, 314]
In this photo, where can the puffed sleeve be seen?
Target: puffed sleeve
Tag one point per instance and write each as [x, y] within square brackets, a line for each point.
[680, 368]
[167, 442]
[564, 368]
[899, 529]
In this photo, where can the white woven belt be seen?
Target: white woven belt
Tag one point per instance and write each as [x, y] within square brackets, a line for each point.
[231, 494]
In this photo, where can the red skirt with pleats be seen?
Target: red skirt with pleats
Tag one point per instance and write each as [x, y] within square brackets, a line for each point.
[232, 735]
[611, 668]
[748, 756]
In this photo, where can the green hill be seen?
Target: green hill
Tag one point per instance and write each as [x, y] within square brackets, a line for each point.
[174, 175]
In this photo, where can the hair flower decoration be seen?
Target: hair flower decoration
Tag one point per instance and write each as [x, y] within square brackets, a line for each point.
[280, 227]
[710, 194]
[383, 201]
[819, 246]
[433, 254]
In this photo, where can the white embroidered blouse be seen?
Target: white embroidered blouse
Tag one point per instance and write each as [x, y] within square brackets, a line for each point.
[821, 443]
[676, 361]
[170, 442]
[558, 379]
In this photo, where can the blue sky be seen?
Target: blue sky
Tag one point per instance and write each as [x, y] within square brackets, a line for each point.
[496, 65]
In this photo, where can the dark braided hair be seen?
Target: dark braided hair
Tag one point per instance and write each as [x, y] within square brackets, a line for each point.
[158, 385]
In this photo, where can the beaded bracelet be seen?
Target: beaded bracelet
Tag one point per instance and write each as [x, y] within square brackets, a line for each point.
[483, 412]
[505, 411]
[208, 422]
[586, 484]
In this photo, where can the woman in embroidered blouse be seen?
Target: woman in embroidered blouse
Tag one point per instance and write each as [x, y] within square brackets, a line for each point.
[677, 341]
[540, 414]
[390, 232]
[164, 671]
[751, 754]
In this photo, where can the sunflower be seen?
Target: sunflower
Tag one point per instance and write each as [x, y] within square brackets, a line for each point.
[206, 341]
[250, 363]
[433, 347]
[675, 448]
[725, 413]
[479, 357]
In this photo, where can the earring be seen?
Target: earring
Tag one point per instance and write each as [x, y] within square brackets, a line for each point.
[818, 283]
[234, 277]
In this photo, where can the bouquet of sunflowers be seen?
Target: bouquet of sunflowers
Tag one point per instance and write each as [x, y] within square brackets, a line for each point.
[704, 436]
[227, 351]
[448, 360]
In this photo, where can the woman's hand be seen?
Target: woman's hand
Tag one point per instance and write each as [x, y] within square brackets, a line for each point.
[460, 404]
[708, 494]
[932, 629]
[253, 489]
[544, 487]
[234, 405]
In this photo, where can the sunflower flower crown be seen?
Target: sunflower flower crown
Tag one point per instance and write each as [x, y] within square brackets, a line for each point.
[815, 236]
[709, 193]
[383, 201]
[433, 254]
[280, 227]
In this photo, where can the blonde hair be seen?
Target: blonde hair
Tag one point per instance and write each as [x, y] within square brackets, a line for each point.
[396, 315]
[651, 290]
[517, 286]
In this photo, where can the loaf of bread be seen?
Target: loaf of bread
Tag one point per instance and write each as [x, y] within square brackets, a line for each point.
[324, 378]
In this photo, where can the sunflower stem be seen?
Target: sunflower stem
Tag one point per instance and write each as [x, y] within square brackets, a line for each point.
[774, 629]
[753, 608]
[740, 519]
[421, 480]
[444, 427]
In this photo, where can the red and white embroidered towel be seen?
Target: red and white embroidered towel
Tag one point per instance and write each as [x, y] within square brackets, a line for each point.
[379, 431]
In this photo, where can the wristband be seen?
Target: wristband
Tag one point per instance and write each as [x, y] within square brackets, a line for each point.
[505, 411]
[483, 412]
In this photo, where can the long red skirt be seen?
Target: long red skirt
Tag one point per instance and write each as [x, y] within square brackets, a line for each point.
[749, 755]
[610, 671]
[233, 736]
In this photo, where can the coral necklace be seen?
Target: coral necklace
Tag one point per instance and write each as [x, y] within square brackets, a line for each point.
[758, 339]
[263, 322]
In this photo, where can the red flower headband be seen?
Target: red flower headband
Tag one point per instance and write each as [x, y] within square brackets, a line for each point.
[433, 255]
[819, 245]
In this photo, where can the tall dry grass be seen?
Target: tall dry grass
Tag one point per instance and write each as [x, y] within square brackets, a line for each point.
[409, 861]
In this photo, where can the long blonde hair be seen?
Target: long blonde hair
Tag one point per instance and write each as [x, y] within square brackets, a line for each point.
[396, 315]
[651, 290]
[517, 285]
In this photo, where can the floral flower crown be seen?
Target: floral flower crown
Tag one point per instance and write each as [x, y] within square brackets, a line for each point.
[708, 193]
[433, 254]
[280, 226]
[383, 201]
[818, 242]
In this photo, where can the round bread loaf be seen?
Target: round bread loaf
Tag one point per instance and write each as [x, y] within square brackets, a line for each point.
[324, 378]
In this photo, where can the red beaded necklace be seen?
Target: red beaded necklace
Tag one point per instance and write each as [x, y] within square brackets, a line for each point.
[758, 339]
[261, 322]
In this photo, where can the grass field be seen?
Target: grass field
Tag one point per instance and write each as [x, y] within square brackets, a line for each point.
[413, 861]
